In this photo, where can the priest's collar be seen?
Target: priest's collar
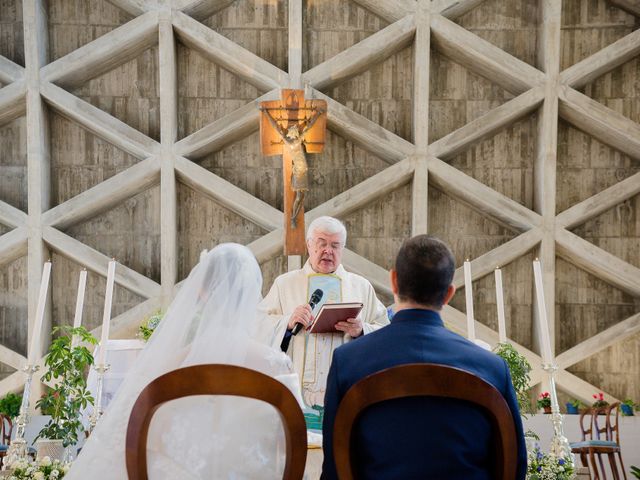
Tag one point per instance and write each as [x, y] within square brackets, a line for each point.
[308, 270]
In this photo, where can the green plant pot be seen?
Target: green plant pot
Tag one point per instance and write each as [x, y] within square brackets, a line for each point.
[627, 410]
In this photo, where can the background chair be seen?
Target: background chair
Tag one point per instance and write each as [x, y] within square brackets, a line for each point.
[6, 428]
[599, 439]
[415, 380]
[216, 380]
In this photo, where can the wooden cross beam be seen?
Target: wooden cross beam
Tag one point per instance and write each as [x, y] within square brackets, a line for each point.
[293, 127]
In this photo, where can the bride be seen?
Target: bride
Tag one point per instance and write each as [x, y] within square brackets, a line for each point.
[211, 320]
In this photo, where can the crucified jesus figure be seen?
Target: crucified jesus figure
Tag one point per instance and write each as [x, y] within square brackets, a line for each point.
[293, 139]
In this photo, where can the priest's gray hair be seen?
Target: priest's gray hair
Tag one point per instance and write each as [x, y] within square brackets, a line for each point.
[328, 225]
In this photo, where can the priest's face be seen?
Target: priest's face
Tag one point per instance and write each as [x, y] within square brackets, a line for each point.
[325, 251]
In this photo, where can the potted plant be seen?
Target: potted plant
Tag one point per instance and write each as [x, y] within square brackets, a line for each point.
[573, 406]
[519, 369]
[66, 365]
[148, 326]
[10, 405]
[599, 400]
[626, 407]
[544, 402]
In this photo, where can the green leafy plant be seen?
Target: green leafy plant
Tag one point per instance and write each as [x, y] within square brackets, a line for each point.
[66, 366]
[627, 406]
[544, 466]
[10, 405]
[635, 471]
[576, 403]
[148, 326]
[519, 368]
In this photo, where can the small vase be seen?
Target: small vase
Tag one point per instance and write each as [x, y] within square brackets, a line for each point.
[572, 409]
[50, 448]
[547, 409]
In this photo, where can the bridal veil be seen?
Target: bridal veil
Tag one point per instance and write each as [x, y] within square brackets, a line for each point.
[211, 320]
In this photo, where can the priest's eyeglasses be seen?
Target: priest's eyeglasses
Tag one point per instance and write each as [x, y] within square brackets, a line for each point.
[322, 244]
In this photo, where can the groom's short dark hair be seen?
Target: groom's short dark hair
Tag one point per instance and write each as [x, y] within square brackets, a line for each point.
[425, 268]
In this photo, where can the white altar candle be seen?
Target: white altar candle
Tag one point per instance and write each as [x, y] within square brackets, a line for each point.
[468, 293]
[77, 319]
[37, 324]
[502, 326]
[106, 315]
[545, 342]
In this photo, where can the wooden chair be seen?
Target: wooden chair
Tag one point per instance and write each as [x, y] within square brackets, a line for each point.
[6, 428]
[598, 440]
[216, 380]
[431, 380]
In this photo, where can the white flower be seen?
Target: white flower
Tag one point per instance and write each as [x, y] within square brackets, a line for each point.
[66, 468]
[45, 461]
[38, 475]
[54, 474]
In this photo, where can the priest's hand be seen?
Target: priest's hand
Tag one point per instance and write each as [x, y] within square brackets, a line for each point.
[352, 327]
[301, 315]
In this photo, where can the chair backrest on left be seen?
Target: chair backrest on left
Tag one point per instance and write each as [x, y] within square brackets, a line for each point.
[6, 428]
[215, 379]
[429, 380]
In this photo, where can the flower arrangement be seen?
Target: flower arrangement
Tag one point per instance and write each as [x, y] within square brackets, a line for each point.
[519, 369]
[44, 469]
[148, 326]
[545, 466]
[66, 365]
[599, 400]
[544, 400]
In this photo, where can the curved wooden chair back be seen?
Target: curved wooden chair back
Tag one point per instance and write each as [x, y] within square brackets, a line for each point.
[587, 430]
[216, 379]
[417, 380]
[6, 428]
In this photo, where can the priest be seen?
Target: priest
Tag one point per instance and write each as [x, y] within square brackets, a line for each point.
[287, 304]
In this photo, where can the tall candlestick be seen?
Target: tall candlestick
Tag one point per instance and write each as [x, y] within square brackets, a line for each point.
[77, 319]
[545, 342]
[37, 324]
[468, 293]
[502, 326]
[106, 315]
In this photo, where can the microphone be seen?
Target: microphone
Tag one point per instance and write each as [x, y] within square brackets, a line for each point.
[316, 296]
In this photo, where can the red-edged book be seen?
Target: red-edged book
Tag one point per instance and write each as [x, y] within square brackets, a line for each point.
[332, 313]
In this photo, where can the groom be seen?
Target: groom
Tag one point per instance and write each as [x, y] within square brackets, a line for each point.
[419, 437]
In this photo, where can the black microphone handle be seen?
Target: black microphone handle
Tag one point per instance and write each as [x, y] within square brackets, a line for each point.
[298, 326]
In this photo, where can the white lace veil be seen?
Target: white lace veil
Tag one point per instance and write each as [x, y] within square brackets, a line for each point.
[209, 321]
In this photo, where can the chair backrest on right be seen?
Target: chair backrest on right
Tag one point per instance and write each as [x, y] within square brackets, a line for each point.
[610, 429]
[428, 380]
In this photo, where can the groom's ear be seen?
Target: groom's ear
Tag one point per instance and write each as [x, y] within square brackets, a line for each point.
[393, 278]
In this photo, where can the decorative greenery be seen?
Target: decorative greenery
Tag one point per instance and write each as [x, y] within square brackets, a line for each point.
[148, 326]
[544, 466]
[576, 403]
[10, 405]
[519, 368]
[69, 395]
[635, 471]
[544, 400]
[599, 400]
[44, 469]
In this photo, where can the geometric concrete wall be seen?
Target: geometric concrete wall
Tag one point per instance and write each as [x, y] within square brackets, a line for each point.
[508, 128]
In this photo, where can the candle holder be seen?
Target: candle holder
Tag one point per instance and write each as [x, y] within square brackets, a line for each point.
[18, 447]
[97, 407]
[559, 446]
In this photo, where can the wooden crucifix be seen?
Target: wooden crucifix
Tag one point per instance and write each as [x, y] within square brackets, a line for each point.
[293, 127]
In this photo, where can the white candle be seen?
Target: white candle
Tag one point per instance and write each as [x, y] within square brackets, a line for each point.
[77, 319]
[37, 324]
[106, 315]
[502, 328]
[468, 293]
[545, 342]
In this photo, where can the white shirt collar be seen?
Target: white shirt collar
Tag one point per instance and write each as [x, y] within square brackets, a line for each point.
[308, 270]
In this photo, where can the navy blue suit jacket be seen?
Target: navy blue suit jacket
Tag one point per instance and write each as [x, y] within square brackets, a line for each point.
[422, 437]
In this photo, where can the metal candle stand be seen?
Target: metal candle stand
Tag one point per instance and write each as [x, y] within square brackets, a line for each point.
[18, 448]
[559, 446]
[97, 408]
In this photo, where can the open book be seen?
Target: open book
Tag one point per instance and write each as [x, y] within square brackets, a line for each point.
[332, 313]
